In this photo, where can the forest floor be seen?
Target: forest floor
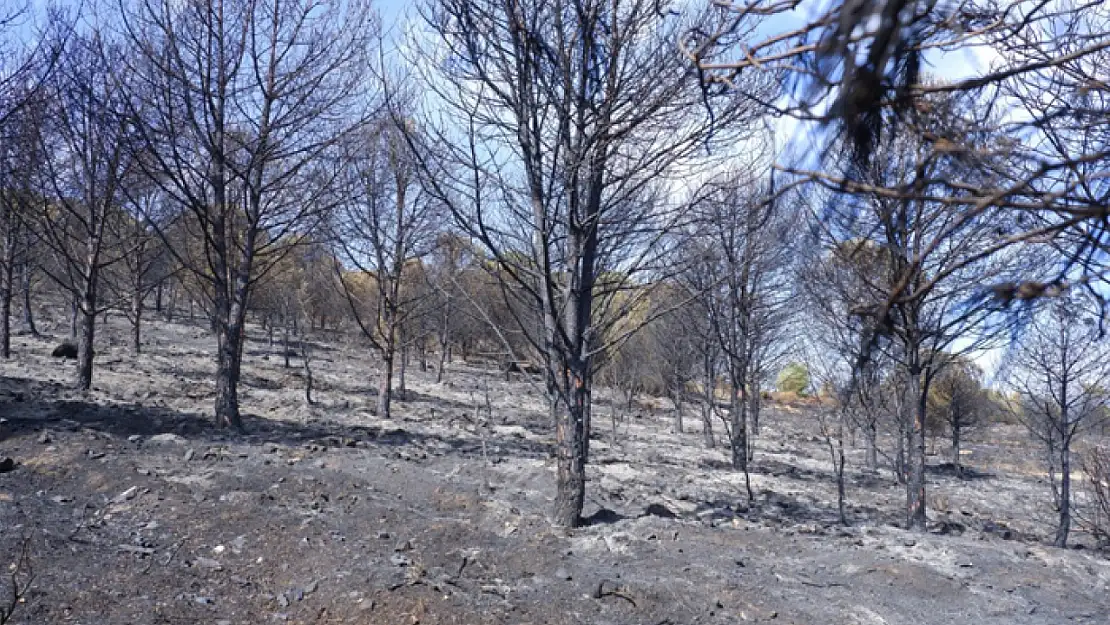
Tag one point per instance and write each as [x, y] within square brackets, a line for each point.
[134, 509]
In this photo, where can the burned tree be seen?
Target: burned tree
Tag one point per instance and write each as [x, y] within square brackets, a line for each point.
[958, 402]
[1060, 372]
[239, 108]
[84, 140]
[570, 119]
[742, 276]
[384, 228]
[20, 201]
[927, 296]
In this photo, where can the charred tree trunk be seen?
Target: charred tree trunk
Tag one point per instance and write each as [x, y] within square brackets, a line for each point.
[840, 497]
[676, 396]
[915, 486]
[136, 320]
[306, 362]
[385, 383]
[1064, 527]
[738, 432]
[754, 404]
[230, 312]
[1064, 427]
[402, 391]
[443, 352]
[6, 288]
[571, 441]
[285, 339]
[871, 440]
[956, 448]
[229, 341]
[87, 331]
[903, 438]
[708, 437]
[572, 426]
[708, 398]
[73, 313]
[171, 306]
[28, 313]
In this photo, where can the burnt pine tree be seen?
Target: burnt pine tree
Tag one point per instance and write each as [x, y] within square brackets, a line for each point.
[1060, 372]
[239, 105]
[567, 122]
[84, 141]
[383, 228]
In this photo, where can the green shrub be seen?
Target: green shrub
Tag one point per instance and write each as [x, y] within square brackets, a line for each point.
[794, 378]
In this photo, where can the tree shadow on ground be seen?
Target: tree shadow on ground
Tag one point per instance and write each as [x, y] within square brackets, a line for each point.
[416, 397]
[295, 344]
[29, 406]
[192, 374]
[603, 516]
[964, 472]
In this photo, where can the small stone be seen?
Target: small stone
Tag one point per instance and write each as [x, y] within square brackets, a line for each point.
[562, 574]
[282, 600]
[167, 438]
[909, 542]
[383, 535]
[205, 600]
[219, 549]
[398, 559]
[296, 594]
[311, 587]
[189, 455]
[45, 439]
[126, 495]
[134, 438]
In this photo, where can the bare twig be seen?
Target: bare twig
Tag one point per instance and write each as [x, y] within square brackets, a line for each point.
[19, 580]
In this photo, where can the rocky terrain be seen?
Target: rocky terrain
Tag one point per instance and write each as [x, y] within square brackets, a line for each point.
[131, 508]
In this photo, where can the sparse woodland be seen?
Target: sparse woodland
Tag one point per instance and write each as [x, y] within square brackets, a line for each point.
[877, 226]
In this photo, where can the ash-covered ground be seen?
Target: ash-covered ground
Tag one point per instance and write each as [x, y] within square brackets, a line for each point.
[134, 509]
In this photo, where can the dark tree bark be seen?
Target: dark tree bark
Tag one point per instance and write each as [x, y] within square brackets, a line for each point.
[137, 321]
[28, 312]
[915, 484]
[871, 441]
[7, 276]
[86, 332]
[385, 383]
[306, 362]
